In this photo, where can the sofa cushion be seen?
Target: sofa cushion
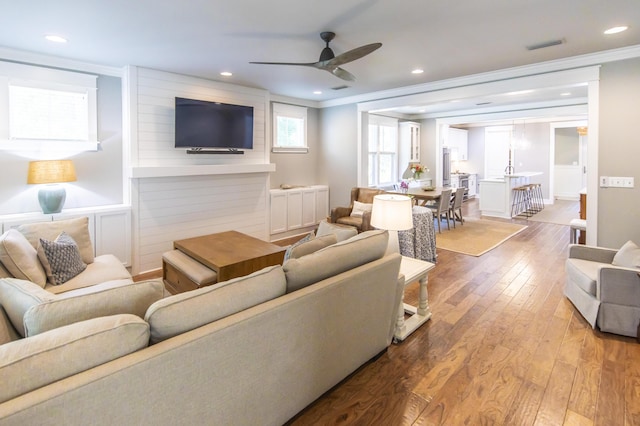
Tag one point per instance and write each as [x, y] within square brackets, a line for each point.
[104, 268]
[18, 296]
[7, 332]
[3, 272]
[32, 363]
[628, 256]
[335, 259]
[60, 258]
[312, 246]
[342, 232]
[21, 258]
[77, 228]
[584, 273]
[192, 309]
[100, 300]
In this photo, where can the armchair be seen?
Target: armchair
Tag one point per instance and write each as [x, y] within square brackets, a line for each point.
[343, 216]
[604, 286]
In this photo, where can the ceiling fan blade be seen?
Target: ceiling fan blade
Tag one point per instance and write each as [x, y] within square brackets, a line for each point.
[342, 73]
[302, 64]
[353, 54]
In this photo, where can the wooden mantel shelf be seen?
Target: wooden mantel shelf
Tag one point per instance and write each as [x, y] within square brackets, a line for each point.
[201, 169]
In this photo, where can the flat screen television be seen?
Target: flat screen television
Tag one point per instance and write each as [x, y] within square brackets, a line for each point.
[213, 125]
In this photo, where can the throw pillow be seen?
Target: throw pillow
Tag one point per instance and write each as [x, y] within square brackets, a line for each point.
[359, 208]
[628, 256]
[342, 232]
[287, 254]
[20, 258]
[313, 246]
[61, 258]
[77, 228]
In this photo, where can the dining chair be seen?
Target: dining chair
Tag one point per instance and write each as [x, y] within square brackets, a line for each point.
[441, 208]
[455, 208]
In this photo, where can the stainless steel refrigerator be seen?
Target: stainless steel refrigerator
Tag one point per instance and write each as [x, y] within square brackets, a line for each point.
[446, 167]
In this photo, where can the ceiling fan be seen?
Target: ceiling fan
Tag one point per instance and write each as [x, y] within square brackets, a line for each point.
[329, 61]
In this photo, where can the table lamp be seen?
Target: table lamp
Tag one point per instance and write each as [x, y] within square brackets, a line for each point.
[51, 196]
[393, 213]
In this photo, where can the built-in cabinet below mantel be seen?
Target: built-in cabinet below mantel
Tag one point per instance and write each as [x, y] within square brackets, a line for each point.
[200, 169]
[109, 227]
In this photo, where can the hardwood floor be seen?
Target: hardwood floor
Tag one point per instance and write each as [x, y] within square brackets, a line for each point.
[504, 346]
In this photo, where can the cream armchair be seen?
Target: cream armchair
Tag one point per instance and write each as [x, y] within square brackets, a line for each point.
[604, 285]
[362, 222]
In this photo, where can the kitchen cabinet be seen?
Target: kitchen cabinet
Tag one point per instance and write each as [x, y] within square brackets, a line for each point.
[408, 145]
[473, 185]
[458, 143]
[455, 181]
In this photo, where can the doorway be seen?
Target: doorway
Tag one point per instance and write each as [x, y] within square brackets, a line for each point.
[568, 159]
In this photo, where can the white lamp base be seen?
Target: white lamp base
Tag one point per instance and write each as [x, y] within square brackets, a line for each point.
[393, 245]
[51, 198]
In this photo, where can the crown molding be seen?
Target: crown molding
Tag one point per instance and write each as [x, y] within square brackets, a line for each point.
[40, 59]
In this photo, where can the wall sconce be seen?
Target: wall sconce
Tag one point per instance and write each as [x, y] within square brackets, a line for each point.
[51, 196]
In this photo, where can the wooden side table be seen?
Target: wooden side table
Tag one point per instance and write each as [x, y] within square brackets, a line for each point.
[413, 269]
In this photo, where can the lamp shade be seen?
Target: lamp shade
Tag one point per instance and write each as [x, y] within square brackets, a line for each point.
[392, 212]
[51, 171]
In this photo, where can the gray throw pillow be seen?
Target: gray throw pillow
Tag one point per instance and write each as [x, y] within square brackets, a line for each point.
[287, 254]
[61, 258]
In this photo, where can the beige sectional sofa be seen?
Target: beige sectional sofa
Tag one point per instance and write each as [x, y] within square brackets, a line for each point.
[253, 350]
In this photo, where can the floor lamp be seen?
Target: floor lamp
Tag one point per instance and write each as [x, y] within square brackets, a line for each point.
[392, 213]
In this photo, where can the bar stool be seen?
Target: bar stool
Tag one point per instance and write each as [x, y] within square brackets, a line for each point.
[521, 201]
[537, 200]
[574, 226]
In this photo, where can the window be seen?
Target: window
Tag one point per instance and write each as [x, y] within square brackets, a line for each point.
[289, 128]
[383, 150]
[47, 109]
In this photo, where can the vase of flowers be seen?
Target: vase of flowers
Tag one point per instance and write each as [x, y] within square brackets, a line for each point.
[404, 186]
[417, 170]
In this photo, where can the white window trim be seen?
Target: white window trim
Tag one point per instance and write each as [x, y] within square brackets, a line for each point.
[34, 76]
[379, 120]
[293, 112]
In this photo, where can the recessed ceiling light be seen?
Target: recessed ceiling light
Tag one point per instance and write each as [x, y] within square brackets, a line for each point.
[565, 94]
[226, 74]
[417, 71]
[56, 39]
[519, 92]
[616, 30]
[317, 92]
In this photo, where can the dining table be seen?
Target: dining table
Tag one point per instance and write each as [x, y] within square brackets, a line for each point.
[422, 196]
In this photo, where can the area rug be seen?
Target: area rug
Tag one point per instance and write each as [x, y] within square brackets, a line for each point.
[476, 236]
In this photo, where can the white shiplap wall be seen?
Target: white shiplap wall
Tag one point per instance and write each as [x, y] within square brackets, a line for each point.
[169, 208]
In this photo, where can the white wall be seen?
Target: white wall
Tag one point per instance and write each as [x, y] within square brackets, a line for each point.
[168, 208]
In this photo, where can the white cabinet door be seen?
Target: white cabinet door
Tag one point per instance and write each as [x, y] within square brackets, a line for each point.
[458, 143]
[294, 209]
[113, 234]
[473, 182]
[322, 202]
[308, 207]
[278, 211]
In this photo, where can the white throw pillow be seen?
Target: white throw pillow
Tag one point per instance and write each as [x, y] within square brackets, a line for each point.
[359, 208]
[628, 256]
[78, 229]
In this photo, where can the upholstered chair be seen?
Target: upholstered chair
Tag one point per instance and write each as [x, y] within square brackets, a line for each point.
[358, 214]
[604, 286]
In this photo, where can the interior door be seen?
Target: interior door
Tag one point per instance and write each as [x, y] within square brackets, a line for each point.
[568, 167]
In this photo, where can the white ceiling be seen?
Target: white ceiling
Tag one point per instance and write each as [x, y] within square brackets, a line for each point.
[204, 37]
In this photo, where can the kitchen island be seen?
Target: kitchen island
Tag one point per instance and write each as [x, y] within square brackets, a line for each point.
[496, 194]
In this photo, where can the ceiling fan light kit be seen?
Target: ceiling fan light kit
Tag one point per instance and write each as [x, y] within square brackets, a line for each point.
[328, 61]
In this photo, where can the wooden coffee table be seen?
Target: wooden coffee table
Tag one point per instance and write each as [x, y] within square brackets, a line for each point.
[231, 254]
